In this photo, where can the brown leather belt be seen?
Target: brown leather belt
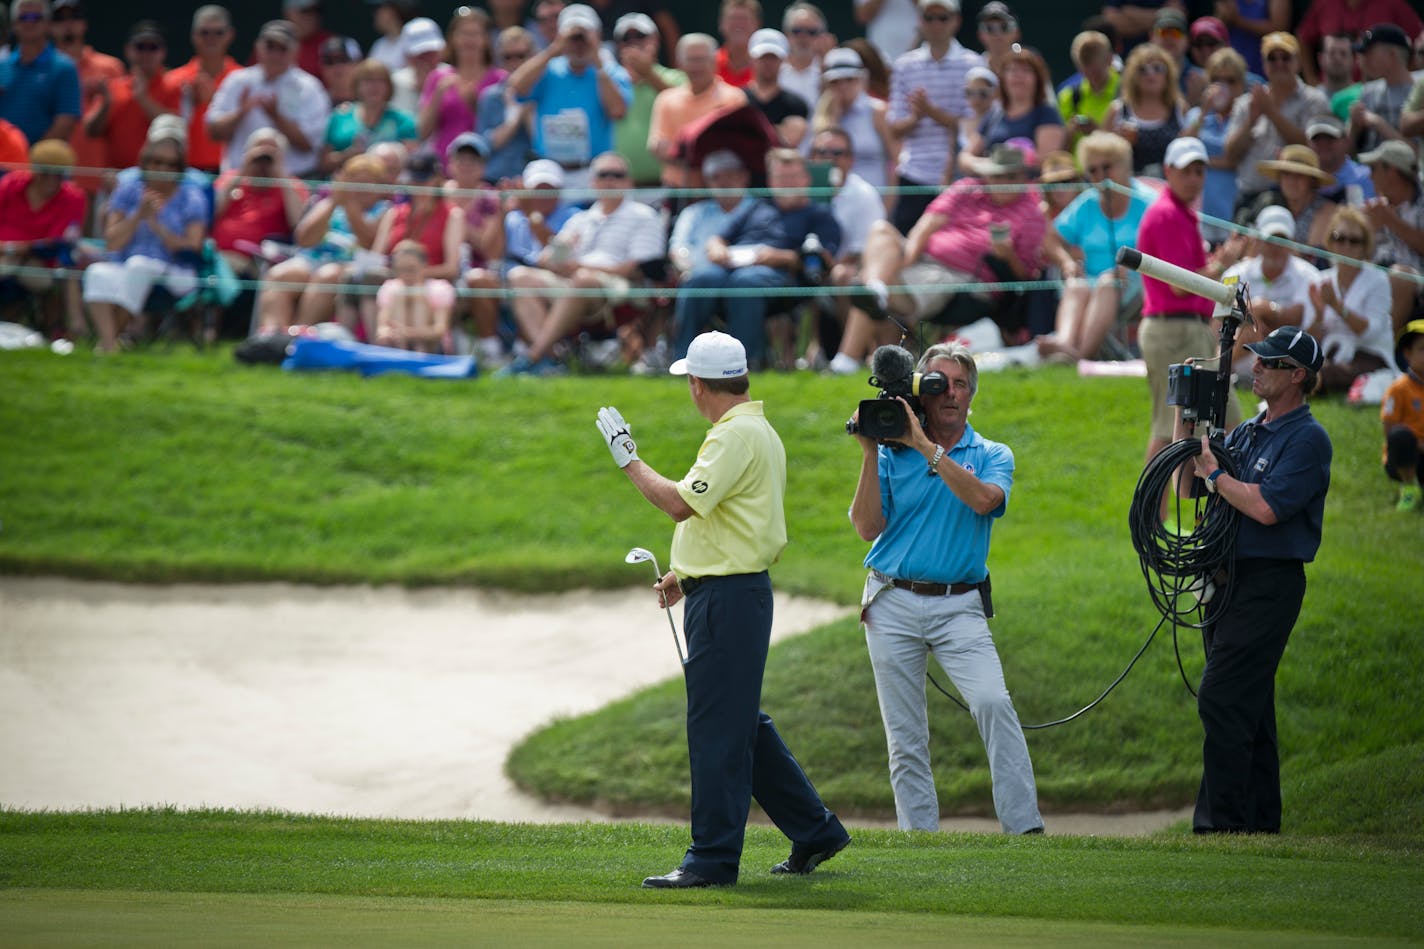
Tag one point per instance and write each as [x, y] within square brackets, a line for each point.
[934, 589]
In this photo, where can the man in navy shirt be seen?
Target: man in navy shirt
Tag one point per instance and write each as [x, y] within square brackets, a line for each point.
[759, 246]
[39, 85]
[1282, 460]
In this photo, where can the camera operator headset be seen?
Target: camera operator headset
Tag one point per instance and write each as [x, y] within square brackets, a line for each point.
[927, 496]
[1263, 489]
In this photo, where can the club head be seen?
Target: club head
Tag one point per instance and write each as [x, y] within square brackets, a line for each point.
[639, 555]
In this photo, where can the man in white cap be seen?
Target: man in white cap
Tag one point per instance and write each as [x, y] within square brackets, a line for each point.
[701, 220]
[636, 38]
[679, 107]
[1177, 324]
[424, 46]
[731, 526]
[273, 92]
[577, 94]
[1396, 212]
[536, 216]
[1352, 179]
[1279, 280]
[783, 108]
[601, 249]
[927, 102]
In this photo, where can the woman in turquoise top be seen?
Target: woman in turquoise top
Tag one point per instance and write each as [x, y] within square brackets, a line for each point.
[356, 126]
[1085, 239]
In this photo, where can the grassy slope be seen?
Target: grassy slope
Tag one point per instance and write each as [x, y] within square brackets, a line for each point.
[190, 467]
[1285, 885]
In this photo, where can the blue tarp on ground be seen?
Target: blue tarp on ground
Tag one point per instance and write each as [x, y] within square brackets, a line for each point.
[369, 360]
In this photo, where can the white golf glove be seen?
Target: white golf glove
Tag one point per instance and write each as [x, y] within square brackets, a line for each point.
[615, 432]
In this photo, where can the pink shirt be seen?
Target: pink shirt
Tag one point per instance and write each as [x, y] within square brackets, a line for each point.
[439, 294]
[455, 115]
[1169, 230]
[963, 242]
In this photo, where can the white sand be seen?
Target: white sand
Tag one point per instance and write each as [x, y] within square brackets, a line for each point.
[357, 701]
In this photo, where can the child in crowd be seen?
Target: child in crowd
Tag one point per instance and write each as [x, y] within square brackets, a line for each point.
[1402, 413]
[413, 312]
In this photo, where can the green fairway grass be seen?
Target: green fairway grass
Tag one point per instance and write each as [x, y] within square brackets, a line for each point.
[182, 466]
[1175, 883]
[67, 918]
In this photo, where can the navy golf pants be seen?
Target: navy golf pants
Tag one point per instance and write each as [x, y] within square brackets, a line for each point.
[1241, 771]
[735, 751]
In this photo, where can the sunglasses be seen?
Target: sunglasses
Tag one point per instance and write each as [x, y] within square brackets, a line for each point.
[31, 17]
[1171, 33]
[829, 153]
[632, 37]
[805, 31]
[516, 54]
[1204, 42]
[158, 163]
[1353, 240]
[1224, 80]
[1280, 58]
[936, 17]
[995, 27]
[275, 46]
[1154, 69]
[212, 33]
[65, 15]
[147, 47]
[611, 174]
[1280, 362]
[336, 60]
[978, 93]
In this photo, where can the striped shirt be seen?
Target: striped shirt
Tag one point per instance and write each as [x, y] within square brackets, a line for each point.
[926, 149]
[634, 231]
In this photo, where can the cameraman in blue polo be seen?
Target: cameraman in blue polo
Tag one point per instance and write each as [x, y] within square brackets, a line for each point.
[1282, 459]
[928, 500]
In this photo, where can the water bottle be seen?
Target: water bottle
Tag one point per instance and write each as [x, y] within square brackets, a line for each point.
[813, 265]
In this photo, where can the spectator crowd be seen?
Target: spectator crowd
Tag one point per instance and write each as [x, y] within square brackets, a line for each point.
[549, 184]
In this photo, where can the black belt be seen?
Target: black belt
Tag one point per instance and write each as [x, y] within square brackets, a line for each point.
[688, 584]
[934, 589]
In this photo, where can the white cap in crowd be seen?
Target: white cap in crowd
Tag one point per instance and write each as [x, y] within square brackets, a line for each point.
[1183, 151]
[713, 355]
[768, 42]
[542, 171]
[1275, 221]
[421, 35]
[579, 16]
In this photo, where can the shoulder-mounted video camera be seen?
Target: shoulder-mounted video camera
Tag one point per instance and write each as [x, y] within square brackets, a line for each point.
[893, 373]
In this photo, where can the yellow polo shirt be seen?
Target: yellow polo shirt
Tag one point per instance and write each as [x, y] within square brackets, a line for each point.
[737, 490]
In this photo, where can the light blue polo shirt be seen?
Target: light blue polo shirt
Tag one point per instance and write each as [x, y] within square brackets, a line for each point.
[32, 94]
[570, 125]
[930, 534]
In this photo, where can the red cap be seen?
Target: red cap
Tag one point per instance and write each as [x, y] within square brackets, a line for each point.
[1212, 27]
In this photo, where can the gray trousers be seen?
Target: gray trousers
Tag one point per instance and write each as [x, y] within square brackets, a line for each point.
[901, 630]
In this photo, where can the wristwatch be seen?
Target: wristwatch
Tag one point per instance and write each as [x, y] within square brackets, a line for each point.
[1211, 479]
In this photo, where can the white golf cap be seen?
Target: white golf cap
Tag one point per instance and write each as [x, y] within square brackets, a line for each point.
[634, 23]
[1275, 220]
[421, 35]
[768, 42]
[542, 171]
[579, 16]
[841, 63]
[713, 355]
[1182, 152]
[982, 72]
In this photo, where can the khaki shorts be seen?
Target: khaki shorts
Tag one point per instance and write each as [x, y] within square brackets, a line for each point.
[1166, 341]
[931, 285]
[615, 287]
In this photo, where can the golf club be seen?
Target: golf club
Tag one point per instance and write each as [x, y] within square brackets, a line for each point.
[643, 555]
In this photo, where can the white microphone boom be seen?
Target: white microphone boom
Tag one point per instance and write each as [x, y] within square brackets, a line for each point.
[1179, 277]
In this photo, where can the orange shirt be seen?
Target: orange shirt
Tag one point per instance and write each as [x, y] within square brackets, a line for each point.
[95, 70]
[1404, 405]
[725, 72]
[128, 120]
[14, 148]
[196, 91]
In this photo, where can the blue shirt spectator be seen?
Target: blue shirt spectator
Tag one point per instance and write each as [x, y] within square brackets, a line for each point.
[187, 205]
[999, 128]
[697, 222]
[763, 222]
[1084, 225]
[34, 93]
[506, 159]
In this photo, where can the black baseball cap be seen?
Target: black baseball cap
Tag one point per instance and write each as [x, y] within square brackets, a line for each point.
[1383, 33]
[1293, 343]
